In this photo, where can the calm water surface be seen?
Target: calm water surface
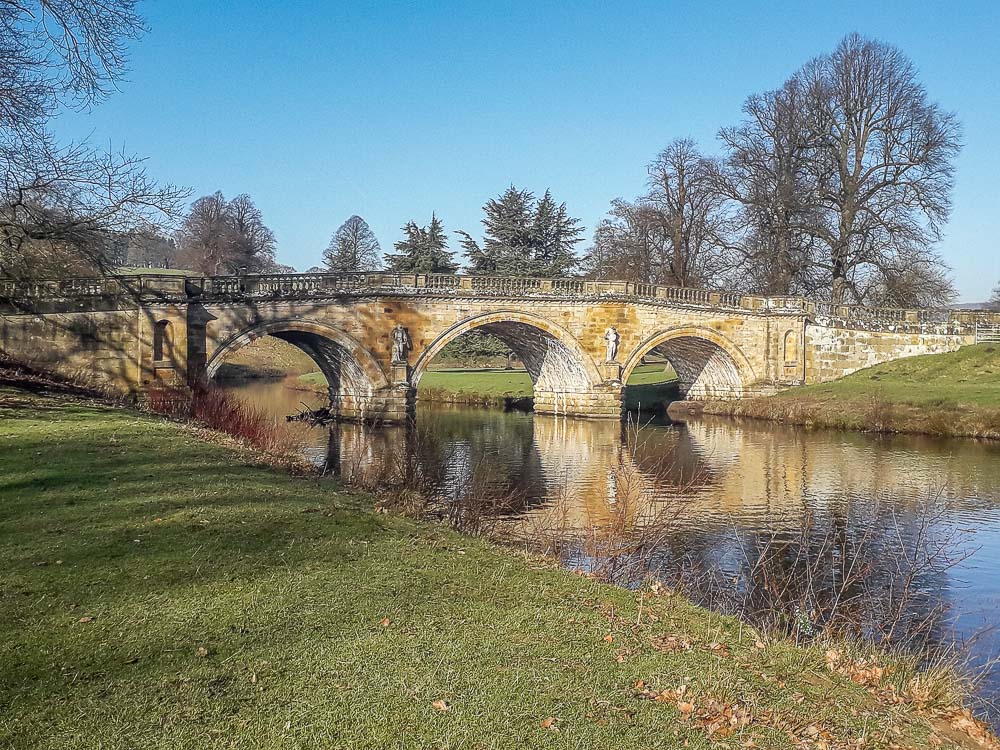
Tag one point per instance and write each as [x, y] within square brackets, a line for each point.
[747, 509]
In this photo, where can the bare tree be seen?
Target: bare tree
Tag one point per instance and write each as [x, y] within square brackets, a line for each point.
[627, 244]
[674, 233]
[353, 247]
[995, 299]
[767, 174]
[59, 205]
[883, 171]
[225, 237]
[683, 191]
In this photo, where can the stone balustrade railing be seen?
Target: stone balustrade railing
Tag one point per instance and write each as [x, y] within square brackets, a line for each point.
[258, 286]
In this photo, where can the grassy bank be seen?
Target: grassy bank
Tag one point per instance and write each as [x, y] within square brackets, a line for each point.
[486, 388]
[955, 394]
[161, 591]
[650, 387]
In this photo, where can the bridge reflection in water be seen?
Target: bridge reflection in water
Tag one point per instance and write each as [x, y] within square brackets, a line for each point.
[758, 504]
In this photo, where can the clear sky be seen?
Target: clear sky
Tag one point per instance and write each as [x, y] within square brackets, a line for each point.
[320, 110]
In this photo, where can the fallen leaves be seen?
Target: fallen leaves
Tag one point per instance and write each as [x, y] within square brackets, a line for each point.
[202, 652]
[719, 719]
[385, 622]
[86, 619]
[859, 671]
[671, 644]
[441, 705]
[550, 724]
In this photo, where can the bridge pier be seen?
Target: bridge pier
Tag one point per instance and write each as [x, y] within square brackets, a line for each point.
[387, 406]
[603, 403]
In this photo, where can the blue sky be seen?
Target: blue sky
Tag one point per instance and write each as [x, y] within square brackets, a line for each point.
[320, 110]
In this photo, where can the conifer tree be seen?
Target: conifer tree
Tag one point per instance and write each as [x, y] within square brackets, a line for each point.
[524, 237]
[423, 250]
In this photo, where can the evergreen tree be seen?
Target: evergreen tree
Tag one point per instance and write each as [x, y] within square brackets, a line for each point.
[555, 235]
[524, 237]
[423, 250]
[353, 247]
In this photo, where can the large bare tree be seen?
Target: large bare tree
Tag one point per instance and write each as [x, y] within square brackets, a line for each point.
[225, 237]
[353, 247]
[767, 173]
[692, 213]
[995, 299]
[673, 234]
[628, 244]
[61, 204]
[882, 168]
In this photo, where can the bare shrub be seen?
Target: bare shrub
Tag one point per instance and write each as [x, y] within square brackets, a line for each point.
[218, 410]
[866, 574]
[880, 414]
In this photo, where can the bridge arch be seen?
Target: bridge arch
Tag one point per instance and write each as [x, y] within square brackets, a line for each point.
[553, 357]
[708, 365]
[355, 379]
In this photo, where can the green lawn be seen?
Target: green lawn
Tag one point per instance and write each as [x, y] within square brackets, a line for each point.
[970, 377]
[650, 386]
[159, 591]
[499, 383]
[954, 394]
[488, 383]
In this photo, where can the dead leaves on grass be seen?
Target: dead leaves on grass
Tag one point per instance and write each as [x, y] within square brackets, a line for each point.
[720, 719]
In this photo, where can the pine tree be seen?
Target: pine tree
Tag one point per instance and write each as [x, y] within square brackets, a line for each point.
[353, 247]
[424, 250]
[524, 237]
[555, 235]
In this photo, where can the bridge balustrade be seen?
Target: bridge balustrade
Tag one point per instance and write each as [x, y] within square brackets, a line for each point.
[263, 285]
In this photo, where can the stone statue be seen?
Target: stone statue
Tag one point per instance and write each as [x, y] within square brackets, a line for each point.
[400, 345]
[612, 338]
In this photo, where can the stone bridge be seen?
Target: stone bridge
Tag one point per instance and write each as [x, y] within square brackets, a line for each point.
[140, 332]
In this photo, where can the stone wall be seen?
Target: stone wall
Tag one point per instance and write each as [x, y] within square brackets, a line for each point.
[835, 351]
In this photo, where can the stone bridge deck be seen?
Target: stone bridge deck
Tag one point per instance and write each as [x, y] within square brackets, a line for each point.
[144, 331]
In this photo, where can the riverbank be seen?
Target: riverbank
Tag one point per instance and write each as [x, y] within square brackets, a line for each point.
[949, 395]
[164, 590]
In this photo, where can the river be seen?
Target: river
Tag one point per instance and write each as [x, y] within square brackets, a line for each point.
[897, 537]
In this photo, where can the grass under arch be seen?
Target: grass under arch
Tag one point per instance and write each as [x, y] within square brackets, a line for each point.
[162, 591]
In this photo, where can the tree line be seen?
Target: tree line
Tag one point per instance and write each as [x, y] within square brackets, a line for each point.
[836, 184]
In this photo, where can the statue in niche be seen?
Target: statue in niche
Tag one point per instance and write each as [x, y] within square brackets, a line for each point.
[611, 339]
[400, 345]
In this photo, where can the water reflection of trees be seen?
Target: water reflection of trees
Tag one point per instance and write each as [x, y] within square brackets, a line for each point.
[797, 531]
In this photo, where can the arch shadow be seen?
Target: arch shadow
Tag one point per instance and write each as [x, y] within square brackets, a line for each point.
[553, 357]
[708, 365]
[349, 368]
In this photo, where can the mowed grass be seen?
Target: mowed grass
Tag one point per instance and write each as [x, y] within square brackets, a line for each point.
[968, 377]
[954, 394]
[650, 386]
[483, 383]
[161, 591]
